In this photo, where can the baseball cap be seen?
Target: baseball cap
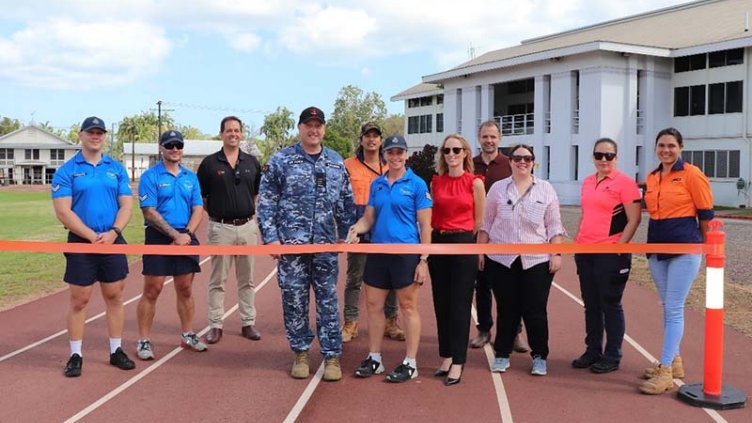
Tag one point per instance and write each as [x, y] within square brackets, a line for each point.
[369, 126]
[312, 113]
[170, 135]
[395, 141]
[93, 122]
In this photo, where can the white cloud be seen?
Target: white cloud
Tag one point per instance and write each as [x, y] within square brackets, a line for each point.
[326, 30]
[366, 72]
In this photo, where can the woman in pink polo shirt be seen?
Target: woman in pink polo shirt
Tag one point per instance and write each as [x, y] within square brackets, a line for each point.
[610, 214]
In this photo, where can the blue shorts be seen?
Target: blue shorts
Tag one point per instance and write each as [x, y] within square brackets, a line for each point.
[390, 271]
[156, 265]
[85, 269]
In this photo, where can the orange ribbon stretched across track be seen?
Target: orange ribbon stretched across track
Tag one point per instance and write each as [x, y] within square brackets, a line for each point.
[231, 250]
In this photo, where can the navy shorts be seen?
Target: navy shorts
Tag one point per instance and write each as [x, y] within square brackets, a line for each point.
[156, 265]
[85, 269]
[390, 271]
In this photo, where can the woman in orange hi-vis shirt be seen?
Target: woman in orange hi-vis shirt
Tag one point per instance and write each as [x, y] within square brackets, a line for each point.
[680, 203]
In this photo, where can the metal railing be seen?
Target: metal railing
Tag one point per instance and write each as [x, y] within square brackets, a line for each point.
[521, 124]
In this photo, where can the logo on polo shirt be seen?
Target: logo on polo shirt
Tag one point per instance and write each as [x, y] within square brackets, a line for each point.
[55, 188]
[143, 197]
[112, 174]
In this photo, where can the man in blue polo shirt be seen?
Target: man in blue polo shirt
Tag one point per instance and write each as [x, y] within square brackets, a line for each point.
[171, 202]
[92, 198]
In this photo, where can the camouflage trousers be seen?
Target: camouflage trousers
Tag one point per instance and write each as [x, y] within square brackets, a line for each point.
[297, 275]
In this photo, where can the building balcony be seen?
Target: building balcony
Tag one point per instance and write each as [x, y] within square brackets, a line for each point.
[521, 124]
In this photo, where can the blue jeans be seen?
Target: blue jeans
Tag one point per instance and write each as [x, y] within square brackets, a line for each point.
[673, 279]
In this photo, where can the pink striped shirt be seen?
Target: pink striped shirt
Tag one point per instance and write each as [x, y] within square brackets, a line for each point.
[513, 217]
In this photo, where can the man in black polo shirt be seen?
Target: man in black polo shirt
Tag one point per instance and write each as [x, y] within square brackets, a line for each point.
[229, 182]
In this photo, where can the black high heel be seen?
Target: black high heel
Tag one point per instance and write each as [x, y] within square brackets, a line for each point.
[452, 381]
[441, 373]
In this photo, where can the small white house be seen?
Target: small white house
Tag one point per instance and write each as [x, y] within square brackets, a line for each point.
[31, 155]
[137, 157]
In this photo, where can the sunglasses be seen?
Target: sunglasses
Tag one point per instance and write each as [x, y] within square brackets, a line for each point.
[526, 159]
[600, 156]
[237, 177]
[455, 150]
[173, 145]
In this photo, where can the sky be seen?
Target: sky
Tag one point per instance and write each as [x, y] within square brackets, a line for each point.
[64, 60]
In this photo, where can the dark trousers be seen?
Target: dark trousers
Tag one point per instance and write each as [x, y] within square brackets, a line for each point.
[520, 295]
[483, 301]
[452, 279]
[603, 278]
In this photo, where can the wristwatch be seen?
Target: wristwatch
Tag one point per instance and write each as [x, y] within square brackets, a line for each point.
[117, 230]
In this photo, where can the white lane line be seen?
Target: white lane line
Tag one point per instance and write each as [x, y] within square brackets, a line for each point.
[90, 319]
[712, 413]
[306, 395]
[112, 394]
[501, 393]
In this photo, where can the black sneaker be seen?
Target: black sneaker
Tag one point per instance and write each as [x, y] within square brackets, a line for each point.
[369, 367]
[604, 366]
[73, 367]
[402, 373]
[584, 361]
[121, 361]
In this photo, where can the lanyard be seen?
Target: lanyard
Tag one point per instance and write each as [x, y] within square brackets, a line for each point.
[527, 191]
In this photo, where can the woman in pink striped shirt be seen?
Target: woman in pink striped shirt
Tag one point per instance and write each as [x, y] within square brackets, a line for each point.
[521, 209]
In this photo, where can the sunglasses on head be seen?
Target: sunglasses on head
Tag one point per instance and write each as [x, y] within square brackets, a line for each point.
[173, 145]
[600, 156]
[455, 150]
[526, 159]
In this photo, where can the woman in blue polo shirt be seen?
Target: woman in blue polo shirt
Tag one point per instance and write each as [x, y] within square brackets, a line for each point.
[398, 199]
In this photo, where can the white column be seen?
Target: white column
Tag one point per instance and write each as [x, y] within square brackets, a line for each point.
[561, 125]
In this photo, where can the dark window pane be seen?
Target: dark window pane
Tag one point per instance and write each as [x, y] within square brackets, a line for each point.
[440, 99]
[2, 154]
[721, 170]
[429, 119]
[697, 61]
[681, 101]
[697, 159]
[686, 156]
[734, 96]
[439, 122]
[735, 56]
[10, 154]
[709, 167]
[413, 102]
[681, 64]
[716, 103]
[697, 100]
[733, 164]
[717, 59]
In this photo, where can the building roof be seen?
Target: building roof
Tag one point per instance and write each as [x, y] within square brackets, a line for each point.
[200, 148]
[33, 136]
[671, 32]
[420, 90]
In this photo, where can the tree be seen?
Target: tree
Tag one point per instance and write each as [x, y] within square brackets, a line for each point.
[276, 128]
[352, 108]
[423, 163]
[338, 143]
[191, 133]
[394, 124]
[143, 127]
[8, 125]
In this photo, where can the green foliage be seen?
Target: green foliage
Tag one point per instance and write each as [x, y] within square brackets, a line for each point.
[394, 124]
[423, 162]
[8, 125]
[276, 128]
[338, 143]
[191, 133]
[352, 108]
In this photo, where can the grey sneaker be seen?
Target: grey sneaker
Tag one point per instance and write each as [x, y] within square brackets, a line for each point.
[500, 365]
[539, 366]
[191, 342]
[143, 349]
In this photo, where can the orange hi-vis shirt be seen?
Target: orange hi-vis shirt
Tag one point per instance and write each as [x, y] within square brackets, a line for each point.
[675, 202]
[603, 215]
[361, 177]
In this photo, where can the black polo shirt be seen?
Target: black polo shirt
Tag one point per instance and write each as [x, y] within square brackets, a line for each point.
[228, 193]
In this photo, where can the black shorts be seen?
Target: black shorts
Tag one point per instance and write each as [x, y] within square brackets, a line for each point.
[390, 271]
[85, 269]
[156, 265]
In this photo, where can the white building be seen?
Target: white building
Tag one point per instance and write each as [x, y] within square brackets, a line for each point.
[31, 155]
[685, 66]
[424, 115]
[141, 156]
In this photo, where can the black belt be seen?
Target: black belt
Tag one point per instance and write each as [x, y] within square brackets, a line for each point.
[452, 231]
[236, 222]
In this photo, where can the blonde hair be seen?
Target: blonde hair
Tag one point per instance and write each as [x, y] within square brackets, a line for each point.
[467, 164]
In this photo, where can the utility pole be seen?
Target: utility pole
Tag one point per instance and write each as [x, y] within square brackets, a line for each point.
[159, 119]
[133, 155]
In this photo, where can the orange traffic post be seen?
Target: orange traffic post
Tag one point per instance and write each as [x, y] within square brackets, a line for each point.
[711, 393]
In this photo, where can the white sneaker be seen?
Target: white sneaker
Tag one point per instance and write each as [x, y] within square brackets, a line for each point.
[191, 342]
[143, 349]
[539, 366]
[500, 365]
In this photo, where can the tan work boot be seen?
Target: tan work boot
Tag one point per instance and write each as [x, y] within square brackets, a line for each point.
[300, 369]
[661, 382]
[332, 369]
[677, 369]
[393, 331]
[349, 331]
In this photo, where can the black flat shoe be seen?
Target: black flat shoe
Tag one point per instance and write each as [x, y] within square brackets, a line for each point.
[452, 381]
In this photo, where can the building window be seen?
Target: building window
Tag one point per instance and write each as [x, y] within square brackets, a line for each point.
[725, 97]
[440, 99]
[31, 154]
[413, 102]
[575, 162]
[57, 154]
[520, 87]
[412, 124]
[690, 63]
[726, 58]
[6, 154]
[715, 163]
[439, 122]
[426, 101]
[689, 101]
[425, 123]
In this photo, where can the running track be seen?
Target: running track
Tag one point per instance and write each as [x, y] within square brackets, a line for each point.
[241, 380]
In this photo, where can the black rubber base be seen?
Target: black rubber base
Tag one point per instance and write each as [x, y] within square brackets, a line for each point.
[730, 398]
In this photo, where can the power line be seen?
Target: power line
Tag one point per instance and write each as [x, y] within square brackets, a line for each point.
[216, 108]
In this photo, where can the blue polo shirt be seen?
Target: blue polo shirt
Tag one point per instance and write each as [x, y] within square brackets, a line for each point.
[173, 196]
[397, 208]
[94, 189]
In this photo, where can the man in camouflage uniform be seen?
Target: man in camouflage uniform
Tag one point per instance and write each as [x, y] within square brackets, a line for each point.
[305, 197]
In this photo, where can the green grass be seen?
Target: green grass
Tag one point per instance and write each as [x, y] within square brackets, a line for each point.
[733, 210]
[29, 216]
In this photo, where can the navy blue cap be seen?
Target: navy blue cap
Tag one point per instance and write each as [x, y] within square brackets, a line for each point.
[171, 135]
[93, 122]
[312, 113]
[395, 141]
